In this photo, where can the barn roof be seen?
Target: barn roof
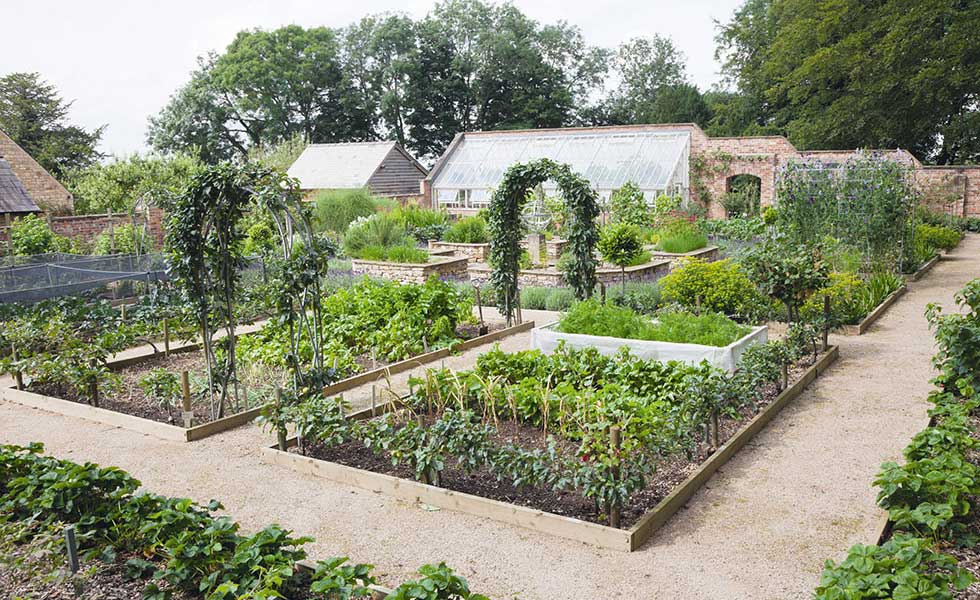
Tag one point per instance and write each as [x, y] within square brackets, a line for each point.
[13, 197]
[340, 166]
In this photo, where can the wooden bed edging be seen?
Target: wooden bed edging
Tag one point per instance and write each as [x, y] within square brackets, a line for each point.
[924, 269]
[422, 359]
[625, 540]
[660, 514]
[874, 315]
[130, 422]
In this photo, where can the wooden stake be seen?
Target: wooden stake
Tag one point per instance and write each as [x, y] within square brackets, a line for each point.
[479, 302]
[166, 337]
[374, 399]
[714, 429]
[280, 426]
[785, 378]
[71, 545]
[18, 375]
[520, 319]
[425, 345]
[122, 310]
[95, 386]
[697, 304]
[602, 292]
[614, 517]
[186, 412]
[826, 321]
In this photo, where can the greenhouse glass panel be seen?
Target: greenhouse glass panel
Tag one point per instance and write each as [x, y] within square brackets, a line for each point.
[654, 160]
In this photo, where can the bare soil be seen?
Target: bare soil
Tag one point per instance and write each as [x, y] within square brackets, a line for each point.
[671, 472]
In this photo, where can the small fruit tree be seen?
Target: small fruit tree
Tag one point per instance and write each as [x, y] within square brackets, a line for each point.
[620, 244]
[506, 228]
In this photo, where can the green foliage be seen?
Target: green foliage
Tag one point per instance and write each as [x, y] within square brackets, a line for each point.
[619, 244]
[468, 230]
[162, 386]
[958, 339]
[423, 224]
[938, 237]
[628, 205]
[119, 185]
[373, 237]
[734, 228]
[743, 199]
[337, 209]
[506, 229]
[30, 234]
[34, 115]
[722, 286]
[786, 271]
[123, 239]
[679, 235]
[592, 318]
[280, 155]
[178, 545]
[904, 567]
[876, 219]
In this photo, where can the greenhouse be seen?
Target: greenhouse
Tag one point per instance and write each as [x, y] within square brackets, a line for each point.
[656, 160]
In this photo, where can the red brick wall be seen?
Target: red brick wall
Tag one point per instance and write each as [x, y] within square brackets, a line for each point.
[952, 189]
[88, 227]
[44, 189]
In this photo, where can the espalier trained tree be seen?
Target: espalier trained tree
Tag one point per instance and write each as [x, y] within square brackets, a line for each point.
[506, 228]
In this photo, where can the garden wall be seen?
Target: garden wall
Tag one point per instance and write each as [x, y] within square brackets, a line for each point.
[444, 268]
[87, 227]
[552, 277]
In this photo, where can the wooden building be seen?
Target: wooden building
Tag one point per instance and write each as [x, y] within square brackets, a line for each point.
[384, 168]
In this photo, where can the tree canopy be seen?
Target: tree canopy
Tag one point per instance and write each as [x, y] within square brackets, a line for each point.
[34, 115]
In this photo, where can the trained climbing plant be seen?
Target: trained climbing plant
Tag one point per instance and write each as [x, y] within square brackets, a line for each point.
[206, 243]
[506, 228]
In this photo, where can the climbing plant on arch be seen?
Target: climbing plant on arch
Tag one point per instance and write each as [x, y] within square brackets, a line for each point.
[506, 228]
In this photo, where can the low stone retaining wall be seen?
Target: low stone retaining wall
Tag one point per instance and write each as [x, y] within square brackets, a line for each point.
[474, 252]
[707, 254]
[445, 268]
[552, 277]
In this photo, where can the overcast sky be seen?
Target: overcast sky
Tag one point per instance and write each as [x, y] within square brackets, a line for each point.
[120, 60]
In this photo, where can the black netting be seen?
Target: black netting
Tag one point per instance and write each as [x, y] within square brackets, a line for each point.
[39, 277]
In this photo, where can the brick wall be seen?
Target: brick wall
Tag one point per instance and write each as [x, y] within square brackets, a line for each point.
[88, 227]
[44, 189]
[953, 189]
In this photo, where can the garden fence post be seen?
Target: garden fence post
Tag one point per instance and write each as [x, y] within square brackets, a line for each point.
[614, 513]
[185, 386]
[280, 426]
[826, 320]
[18, 375]
[71, 545]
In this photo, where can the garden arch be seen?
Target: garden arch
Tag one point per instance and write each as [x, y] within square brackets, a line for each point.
[506, 208]
[743, 194]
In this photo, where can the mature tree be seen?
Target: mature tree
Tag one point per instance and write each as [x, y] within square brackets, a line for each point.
[34, 115]
[266, 87]
[681, 103]
[849, 74]
[646, 67]
[120, 184]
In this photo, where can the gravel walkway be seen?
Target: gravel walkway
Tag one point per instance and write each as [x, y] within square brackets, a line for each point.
[763, 526]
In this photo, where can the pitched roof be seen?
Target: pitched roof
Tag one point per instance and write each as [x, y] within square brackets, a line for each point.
[339, 166]
[13, 197]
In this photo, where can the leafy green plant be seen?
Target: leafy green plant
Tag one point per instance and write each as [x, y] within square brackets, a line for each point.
[719, 286]
[620, 245]
[904, 567]
[938, 237]
[786, 271]
[438, 582]
[423, 224]
[337, 209]
[164, 387]
[592, 318]
[123, 239]
[468, 230]
[30, 234]
[379, 231]
[629, 206]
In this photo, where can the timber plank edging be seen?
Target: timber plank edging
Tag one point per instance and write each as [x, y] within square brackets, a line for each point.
[105, 416]
[422, 359]
[625, 540]
[876, 314]
[924, 269]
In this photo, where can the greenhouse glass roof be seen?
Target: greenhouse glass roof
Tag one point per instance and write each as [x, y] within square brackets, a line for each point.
[608, 159]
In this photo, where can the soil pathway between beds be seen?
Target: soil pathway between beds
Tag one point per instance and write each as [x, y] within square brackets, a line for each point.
[798, 494]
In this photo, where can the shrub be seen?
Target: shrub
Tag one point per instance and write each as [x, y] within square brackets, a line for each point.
[423, 224]
[468, 230]
[787, 272]
[679, 235]
[407, 254]
[379, 230]
[124, 239]
[30, 234]
[843, 290]
[641, 297]
[721, 285]
[619, 244]
[337, 209]
[628, 205]
[938, 237]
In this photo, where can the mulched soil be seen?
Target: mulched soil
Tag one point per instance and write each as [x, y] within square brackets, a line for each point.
[671, 472]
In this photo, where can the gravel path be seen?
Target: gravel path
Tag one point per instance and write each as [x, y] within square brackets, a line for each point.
[800, 493]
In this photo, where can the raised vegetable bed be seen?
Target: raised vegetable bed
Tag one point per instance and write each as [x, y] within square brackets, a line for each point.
[442, 267]
[672, 491]
[874, 315]
[548, 337]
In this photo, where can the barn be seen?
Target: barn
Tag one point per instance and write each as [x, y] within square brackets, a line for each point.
[384, 168]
